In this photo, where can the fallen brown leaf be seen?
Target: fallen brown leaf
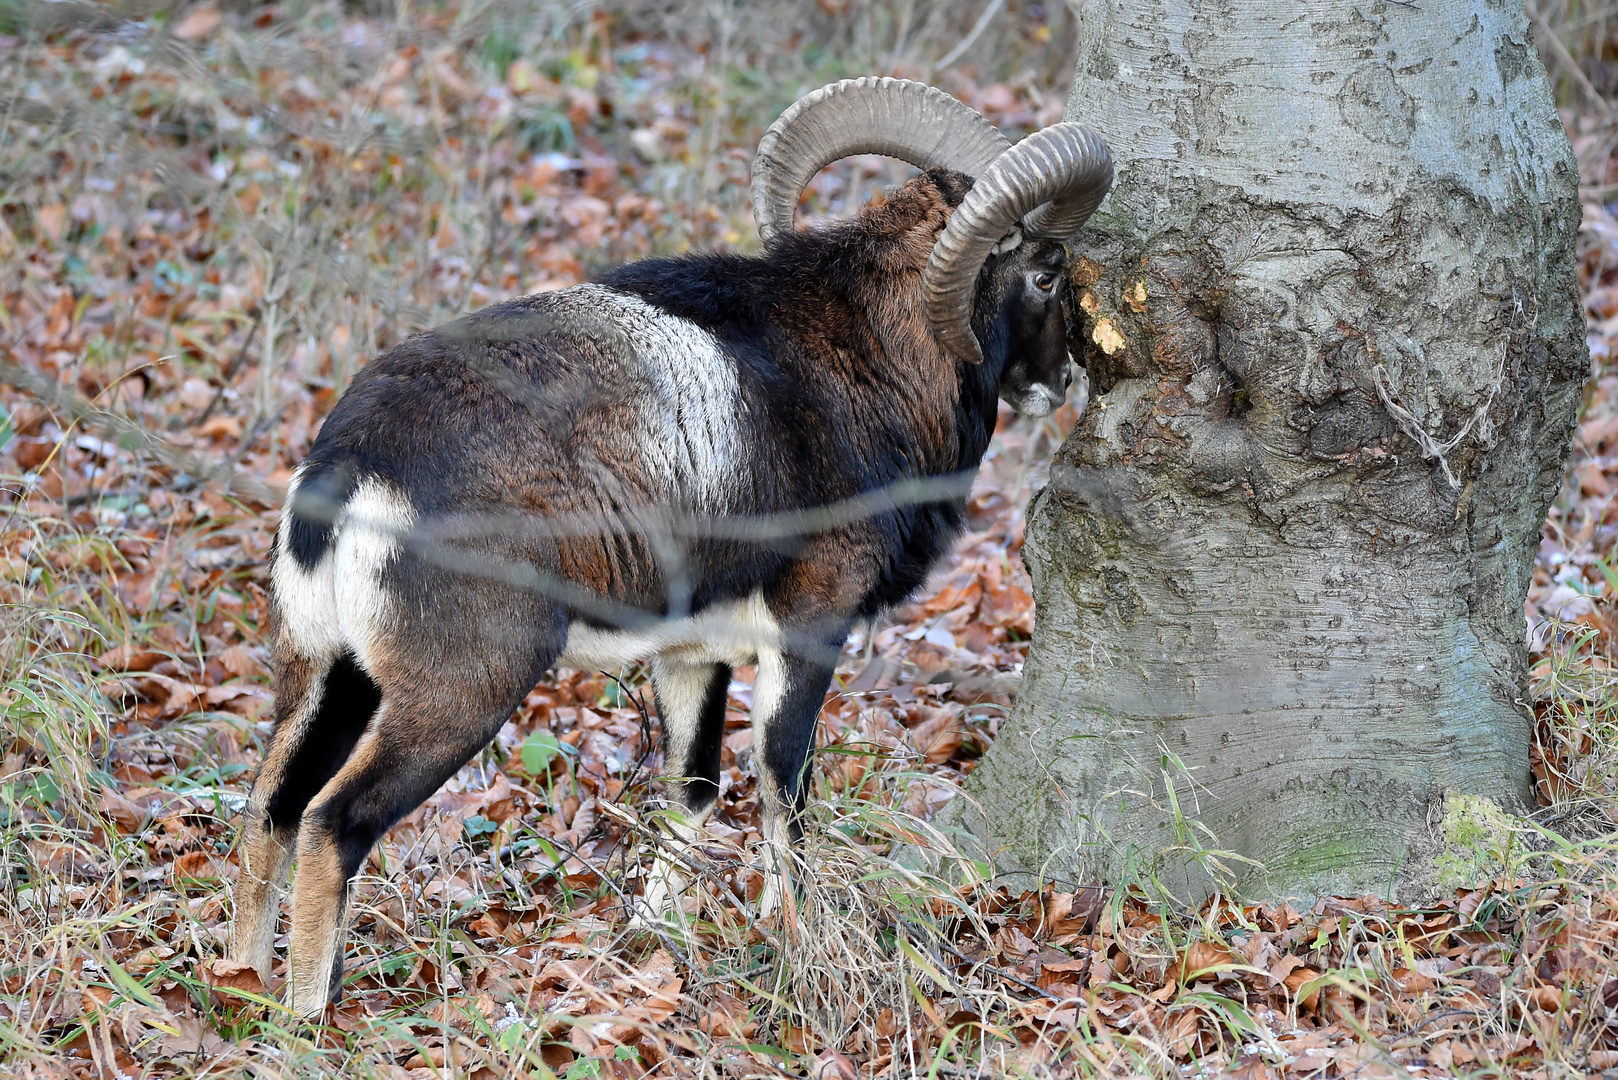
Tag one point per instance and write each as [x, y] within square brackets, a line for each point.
[1201, 961]
[128, 816]
[1296, 978]
[233, 977]
[240, 661]
[131, 658]
[198, 22]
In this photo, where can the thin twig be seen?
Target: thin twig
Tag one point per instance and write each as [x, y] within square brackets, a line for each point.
[1001, 972]
[1565, 61]
[972, 36]
[229, 369]
[131, 436]
[1445, 1015]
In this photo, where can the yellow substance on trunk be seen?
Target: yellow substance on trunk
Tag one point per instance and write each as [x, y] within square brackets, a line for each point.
[1136, 298]
[1107, 337]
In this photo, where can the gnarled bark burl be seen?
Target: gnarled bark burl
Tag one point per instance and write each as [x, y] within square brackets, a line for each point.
[1332, 322]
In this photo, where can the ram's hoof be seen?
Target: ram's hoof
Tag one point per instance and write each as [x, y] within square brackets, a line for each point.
[658, 906]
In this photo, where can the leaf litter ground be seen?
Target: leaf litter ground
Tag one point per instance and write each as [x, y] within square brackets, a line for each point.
[208, 222]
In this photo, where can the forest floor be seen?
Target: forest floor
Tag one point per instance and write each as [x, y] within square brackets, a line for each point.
[208, 220]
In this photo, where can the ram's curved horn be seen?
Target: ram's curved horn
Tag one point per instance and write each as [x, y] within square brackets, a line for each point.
[901, 119]
[1057, 177]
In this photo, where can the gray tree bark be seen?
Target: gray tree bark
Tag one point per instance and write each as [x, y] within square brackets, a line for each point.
[1333, 327]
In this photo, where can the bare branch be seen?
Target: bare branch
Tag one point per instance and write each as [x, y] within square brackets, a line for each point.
[1565, 61]
[131, 436]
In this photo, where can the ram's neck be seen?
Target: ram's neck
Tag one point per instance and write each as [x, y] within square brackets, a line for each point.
[978, 412]
[949, 405]
[842, 324]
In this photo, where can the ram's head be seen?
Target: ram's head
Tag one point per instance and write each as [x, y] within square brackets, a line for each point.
[996, 281]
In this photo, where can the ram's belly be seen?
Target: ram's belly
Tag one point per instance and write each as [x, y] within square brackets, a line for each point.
[726, 633]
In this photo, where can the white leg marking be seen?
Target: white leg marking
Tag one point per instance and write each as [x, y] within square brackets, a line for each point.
[769, 687]
[667, 880]
[305, 600]
[372, 530]
[777, 875]
[682, 692]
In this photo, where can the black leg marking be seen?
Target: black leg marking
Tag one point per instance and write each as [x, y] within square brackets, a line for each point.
[691, 705]
[347, 704]
[787, 735]
[413, 749]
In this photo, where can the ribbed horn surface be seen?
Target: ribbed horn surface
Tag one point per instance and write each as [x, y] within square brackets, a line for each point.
[1056, 177]
[911, 121]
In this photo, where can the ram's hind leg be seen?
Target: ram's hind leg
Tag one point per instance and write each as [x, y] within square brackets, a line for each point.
[321, 709]
[417, 743]
[691, 707]
[440, 706]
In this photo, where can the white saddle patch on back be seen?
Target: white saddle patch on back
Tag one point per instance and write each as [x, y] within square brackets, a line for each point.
[688, 395]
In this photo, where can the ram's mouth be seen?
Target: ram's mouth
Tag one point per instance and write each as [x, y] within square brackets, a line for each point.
[1038, 400]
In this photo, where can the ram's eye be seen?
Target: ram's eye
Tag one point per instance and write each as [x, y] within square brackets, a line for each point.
[1045, 281]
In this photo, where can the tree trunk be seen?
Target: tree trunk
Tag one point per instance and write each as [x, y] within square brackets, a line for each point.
[1332, 321]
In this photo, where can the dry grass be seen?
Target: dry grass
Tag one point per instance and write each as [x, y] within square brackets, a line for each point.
[207, 224]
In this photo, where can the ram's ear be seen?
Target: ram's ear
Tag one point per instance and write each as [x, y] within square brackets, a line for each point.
[952, 186]
[1008, 243]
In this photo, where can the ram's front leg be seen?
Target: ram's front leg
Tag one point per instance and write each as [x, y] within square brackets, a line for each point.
[691, 706]
[787, 695]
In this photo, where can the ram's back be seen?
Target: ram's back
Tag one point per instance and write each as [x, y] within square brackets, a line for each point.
[554, 431]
